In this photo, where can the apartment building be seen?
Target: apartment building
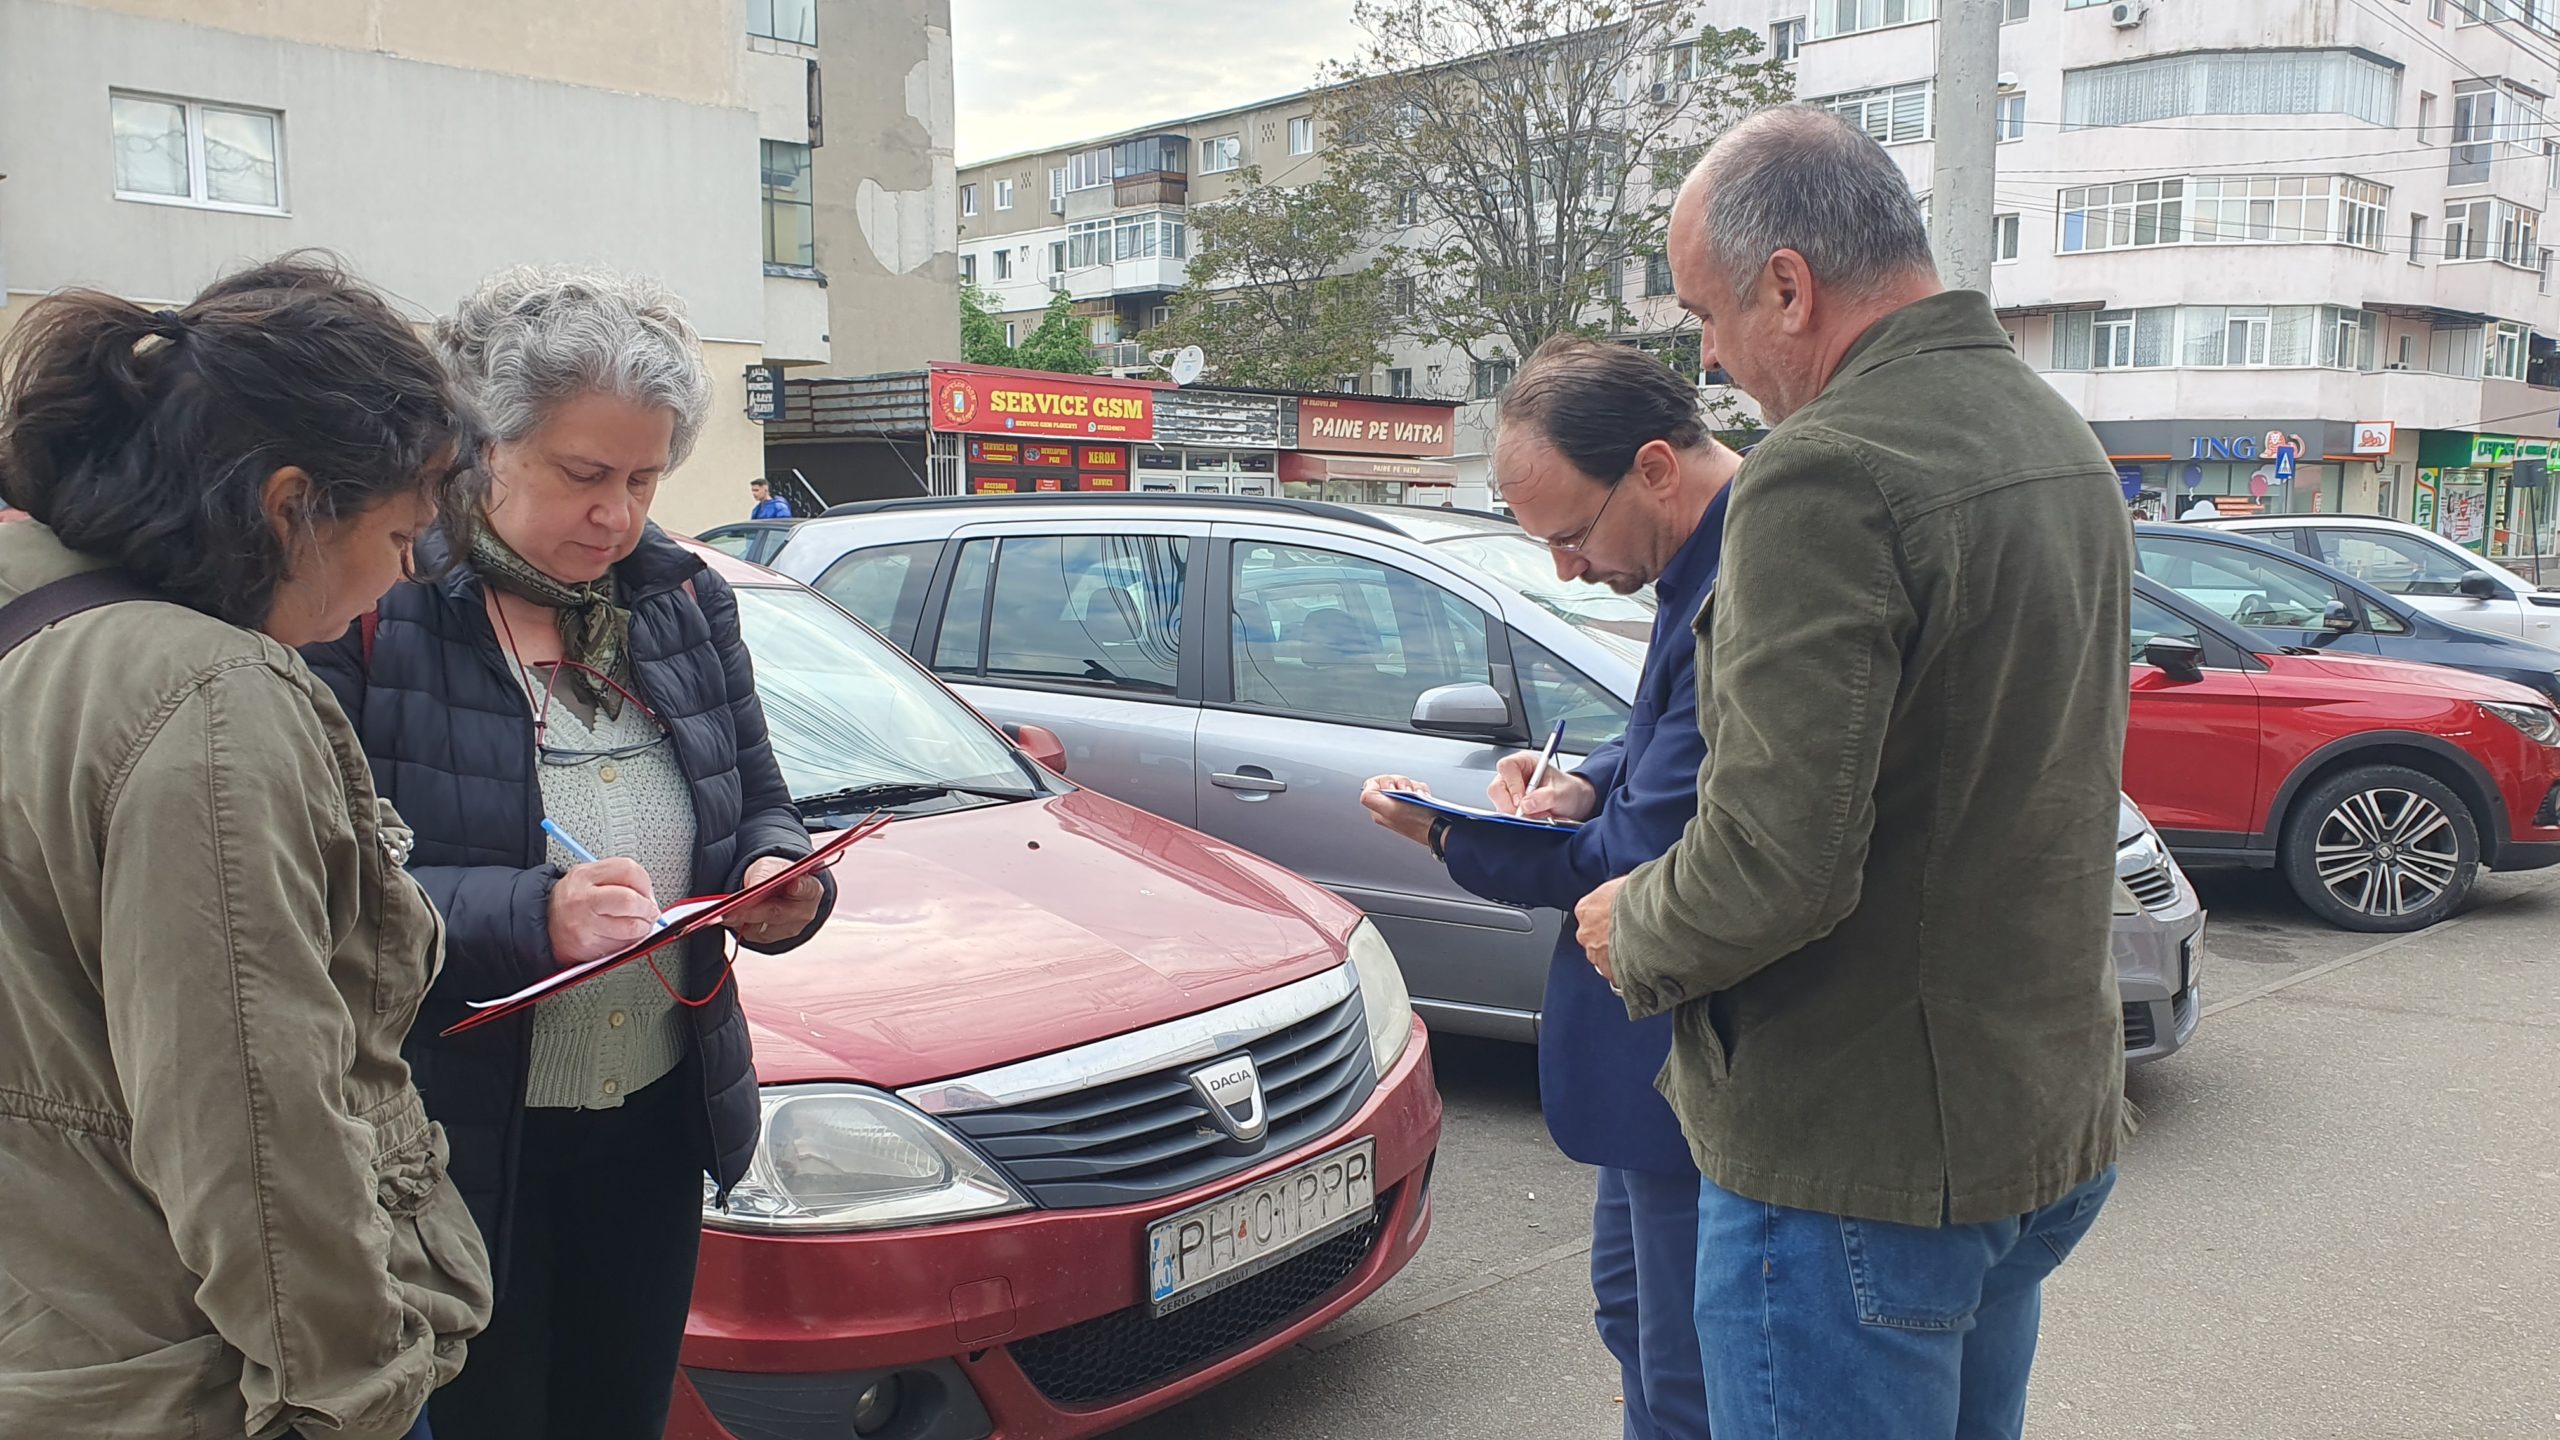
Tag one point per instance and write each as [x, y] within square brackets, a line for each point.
[149, 145]
[2216, 225]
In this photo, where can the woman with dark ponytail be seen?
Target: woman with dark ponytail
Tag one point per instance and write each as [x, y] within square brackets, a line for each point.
[223, 1210]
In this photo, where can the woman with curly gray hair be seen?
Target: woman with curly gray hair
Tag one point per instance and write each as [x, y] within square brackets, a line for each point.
[565, 714]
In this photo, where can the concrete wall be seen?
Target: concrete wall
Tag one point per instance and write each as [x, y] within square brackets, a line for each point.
[885, 200]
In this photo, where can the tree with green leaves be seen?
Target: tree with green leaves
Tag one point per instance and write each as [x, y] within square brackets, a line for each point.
[1278, 291]
[1057, 343]
[1530, 149]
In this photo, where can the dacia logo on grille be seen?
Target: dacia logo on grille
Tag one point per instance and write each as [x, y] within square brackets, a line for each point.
[1233, 1088]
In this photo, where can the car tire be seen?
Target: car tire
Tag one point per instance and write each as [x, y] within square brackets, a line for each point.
[2380, 848]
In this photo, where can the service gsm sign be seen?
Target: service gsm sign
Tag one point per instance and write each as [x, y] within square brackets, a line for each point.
[996, 402]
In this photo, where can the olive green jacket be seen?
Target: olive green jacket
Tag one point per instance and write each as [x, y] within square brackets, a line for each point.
[223, 1211]
[1886, 930]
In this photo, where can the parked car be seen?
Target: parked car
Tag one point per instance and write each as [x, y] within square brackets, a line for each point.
[2157, 940]
[2418, 566]
[1091, 617]
[754, 540]
[2292, 600]
[2378, 788]
[1069, 1112]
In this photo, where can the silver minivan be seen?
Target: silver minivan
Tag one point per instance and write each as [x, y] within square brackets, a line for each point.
[1090, 616]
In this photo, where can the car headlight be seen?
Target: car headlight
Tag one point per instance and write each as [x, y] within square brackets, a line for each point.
[842, 1157]
[2539, 724]
[1382, 995]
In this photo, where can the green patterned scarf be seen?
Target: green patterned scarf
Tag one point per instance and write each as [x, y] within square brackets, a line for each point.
[594, 630]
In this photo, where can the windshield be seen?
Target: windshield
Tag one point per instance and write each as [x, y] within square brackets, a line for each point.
[1622, 624]
[846, 711]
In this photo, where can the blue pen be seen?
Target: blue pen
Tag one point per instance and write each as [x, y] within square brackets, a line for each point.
[577, 852]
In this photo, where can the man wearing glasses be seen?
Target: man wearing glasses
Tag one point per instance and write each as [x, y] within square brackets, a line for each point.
[1604, 459]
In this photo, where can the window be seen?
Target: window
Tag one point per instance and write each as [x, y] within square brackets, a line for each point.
[2509, 345]
[1347, 384]
[1786, 39]
[1058, 182]
[2223, 210]
[1089, 170]
[2154, 621]
[1400, 381]
[1345, 638]
[2493, 230]
[2393, 564]
[1103, 329]
[883, 586]
[1057, 256]
[968, 199]
[2426, 118]
[2013, 11]
[1302, 135]
[2004, 238]
[1894, 115]
[2417, 238]
[1848, 17]
[192, 153]
[2009, 117]
[1087, 610]
[1159, 315]
[2232, 82]
[795, 21]
[2542, 273]
[1409, 208]
[1004, 194]
[1400, 294]
[1220, 154]
[1657, 274]
[2258, 591]
[789, 238]
[1011, 337]
[1492, 376]
[1004, 264]
[1554, 692]
[968, 269]
[2456, 351]
[1088, 243]
[1145, 237]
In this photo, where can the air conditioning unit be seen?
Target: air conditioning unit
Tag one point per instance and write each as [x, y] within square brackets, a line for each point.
[2125, 14]
[1661, 91]
[1057, 283]
[1057, 204]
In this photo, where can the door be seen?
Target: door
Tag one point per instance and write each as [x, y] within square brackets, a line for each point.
[1081, 633]
[2191, 746]
[2283, 601]
[1328, 640]
[2429, 577]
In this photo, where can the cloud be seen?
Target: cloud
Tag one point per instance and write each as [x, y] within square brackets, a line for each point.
[1028, 74]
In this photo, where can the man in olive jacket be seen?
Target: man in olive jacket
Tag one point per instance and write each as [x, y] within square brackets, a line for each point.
[1898, 1057]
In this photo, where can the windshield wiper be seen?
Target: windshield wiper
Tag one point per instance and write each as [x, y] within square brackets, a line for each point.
[893, 794]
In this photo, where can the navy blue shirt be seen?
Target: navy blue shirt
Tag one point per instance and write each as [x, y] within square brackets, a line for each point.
[1595, 1066]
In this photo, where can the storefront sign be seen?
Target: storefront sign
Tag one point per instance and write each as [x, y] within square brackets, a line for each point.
[2129, 479]
[997, 402]
[1300, 466]
[995, 452]
[2374, 437]
[764, 393]
[1101, 457]
[1049, 457]
[2422, 499]
[1372, 427]
[2224, 447]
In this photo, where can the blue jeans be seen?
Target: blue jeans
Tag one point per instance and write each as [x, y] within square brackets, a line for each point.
[1644, 1272]
[1817, 1327]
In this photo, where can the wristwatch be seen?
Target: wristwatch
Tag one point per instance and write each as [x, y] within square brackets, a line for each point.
[1440, 836]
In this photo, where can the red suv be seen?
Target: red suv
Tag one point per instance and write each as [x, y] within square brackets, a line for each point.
[2378, 788]
[1069, 1112]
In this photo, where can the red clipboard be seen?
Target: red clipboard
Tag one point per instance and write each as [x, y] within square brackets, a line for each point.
[710, 913]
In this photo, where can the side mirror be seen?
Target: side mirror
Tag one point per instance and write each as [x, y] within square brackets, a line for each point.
[2336, 618]
[1042, 744]
[1470, 711]
[2480, 585]
[2180, 660]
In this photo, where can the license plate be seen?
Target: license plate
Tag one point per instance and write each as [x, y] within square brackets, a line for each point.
[2190, 950]
[1216, 1243]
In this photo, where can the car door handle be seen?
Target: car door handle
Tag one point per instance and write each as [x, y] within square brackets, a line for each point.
[1253, 780]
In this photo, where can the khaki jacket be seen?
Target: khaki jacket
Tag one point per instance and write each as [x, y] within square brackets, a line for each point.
[223, 1210]
[1886, 931]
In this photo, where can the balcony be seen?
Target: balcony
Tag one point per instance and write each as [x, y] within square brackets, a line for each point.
[1162, 187]
[1120, 355]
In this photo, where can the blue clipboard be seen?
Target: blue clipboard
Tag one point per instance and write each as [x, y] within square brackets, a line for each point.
[1455, 811]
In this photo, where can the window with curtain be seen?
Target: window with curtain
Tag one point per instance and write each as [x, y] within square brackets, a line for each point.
[1894, 115]
[2232, 82]
[1848, 17]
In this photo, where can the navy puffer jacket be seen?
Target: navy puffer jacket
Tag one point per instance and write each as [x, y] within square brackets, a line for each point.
[450, 737]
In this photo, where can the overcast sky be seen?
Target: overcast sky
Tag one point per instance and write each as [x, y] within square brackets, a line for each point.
[1033, 73]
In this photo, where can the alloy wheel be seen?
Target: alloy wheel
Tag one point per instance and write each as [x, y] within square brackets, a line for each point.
[2387, 852]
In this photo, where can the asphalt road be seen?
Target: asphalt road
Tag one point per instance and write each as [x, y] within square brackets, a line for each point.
[2341, 1219]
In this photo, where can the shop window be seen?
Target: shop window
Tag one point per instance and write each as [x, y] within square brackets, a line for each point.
[1339, 637]
[884, 586]
[1090, 610]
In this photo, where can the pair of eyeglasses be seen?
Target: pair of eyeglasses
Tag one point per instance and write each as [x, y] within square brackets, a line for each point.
[549, 754]
[1572, 544]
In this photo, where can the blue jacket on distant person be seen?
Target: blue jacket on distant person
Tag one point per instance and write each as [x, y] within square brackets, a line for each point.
[1595, 1066]
[771, 507]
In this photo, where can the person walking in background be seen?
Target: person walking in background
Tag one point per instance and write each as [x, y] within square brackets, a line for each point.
[223, 1209]
[1885, 937]
[575, 664]
[769, 506]
[1605, 458]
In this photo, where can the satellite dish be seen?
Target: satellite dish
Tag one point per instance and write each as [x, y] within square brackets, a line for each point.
[1187, 364]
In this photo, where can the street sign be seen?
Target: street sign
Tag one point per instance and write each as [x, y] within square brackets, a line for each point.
[2284, 463]
[764, 392]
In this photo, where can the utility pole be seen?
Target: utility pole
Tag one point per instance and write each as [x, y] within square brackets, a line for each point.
[1960, 188]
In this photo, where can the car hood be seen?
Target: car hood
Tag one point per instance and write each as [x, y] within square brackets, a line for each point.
[2438, 680]
[985, 936]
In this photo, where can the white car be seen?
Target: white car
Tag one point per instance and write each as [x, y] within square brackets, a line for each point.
[2429, 571]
